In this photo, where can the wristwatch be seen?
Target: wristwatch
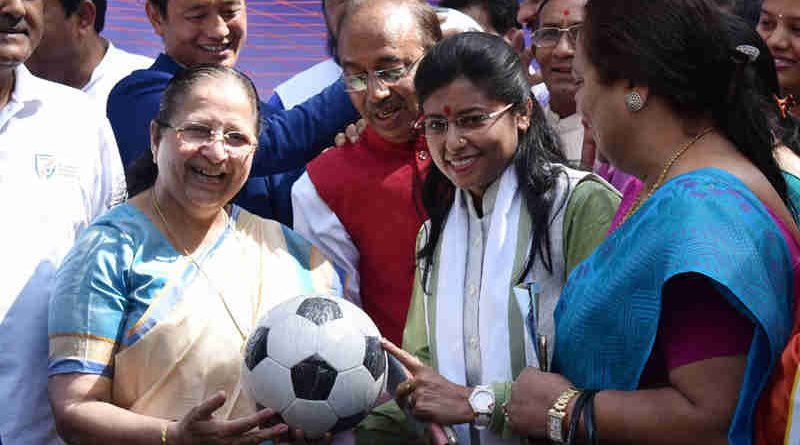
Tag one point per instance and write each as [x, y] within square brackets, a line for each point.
[482, 402]
[556, 414]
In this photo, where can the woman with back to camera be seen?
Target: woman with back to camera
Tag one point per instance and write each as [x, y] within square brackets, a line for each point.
[507, 226]
[667, 334]
[153, 305]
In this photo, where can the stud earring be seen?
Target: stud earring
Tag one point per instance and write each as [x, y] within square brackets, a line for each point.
[634, 101]
[462, 141]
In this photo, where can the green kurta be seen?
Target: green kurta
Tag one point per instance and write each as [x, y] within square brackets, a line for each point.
[588, 215]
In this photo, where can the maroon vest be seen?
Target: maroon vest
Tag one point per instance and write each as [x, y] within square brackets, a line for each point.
[374, 187]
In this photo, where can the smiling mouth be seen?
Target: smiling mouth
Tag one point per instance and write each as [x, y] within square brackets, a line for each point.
[209, 174]
[216, 48]
[462, 164]
[386, 111]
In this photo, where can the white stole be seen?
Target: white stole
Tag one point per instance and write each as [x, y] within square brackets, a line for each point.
[501, 247]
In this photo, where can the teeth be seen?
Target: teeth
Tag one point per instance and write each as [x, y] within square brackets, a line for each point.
[462, 162]
[206, 172]
[214, 48]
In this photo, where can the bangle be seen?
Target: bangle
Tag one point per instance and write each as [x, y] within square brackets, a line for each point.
[588, 420]
[164, 433]
[574, 420]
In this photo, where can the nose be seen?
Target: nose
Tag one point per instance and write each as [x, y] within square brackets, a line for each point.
[214, 150]
[564, 47]
[376, 90]
[218, 28]
[12, 9]
[453, 141]
[526, 13]
[779, 38]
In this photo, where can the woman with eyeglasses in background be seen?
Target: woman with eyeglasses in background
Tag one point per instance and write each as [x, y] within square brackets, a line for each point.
[153, 305]
[507, 225]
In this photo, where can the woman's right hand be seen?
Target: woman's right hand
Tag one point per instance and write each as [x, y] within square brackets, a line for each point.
[199, 427]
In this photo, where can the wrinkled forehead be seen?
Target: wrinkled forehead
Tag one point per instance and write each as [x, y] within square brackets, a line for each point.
[368, 37]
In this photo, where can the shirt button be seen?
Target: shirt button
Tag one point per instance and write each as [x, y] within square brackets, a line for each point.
[473, 291]
[422, 155]
[476, 242]
[473, 342]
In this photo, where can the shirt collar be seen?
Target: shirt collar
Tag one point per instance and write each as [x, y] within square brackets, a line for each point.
[487, 201]
[570, 121]
[25, 88]
[375, 141]
[166, 64]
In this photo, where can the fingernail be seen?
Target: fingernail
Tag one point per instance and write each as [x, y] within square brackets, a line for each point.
[282, 428]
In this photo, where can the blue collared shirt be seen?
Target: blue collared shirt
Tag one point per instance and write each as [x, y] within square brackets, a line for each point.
[288, 140]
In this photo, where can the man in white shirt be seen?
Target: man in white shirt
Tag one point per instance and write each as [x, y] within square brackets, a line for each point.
[59, 168]
[73, 53]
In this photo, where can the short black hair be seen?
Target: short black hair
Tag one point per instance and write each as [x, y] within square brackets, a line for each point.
[100, 6]
[161, 6]
[502, 13]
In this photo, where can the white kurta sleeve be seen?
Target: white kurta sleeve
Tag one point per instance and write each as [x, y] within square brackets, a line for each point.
[321, 227]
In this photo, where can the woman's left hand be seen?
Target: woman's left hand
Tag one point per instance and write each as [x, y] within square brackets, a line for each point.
[431, 397]
[532, 395]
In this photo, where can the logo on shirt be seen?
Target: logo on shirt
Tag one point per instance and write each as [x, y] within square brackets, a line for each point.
[45, 165]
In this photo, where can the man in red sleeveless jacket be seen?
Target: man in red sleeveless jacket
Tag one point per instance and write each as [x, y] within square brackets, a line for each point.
[360, 204]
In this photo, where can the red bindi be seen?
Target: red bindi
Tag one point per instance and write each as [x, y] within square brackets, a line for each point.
[566, 12]
[446, 110]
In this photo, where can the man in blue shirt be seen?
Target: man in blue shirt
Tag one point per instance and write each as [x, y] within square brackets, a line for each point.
[213, 31]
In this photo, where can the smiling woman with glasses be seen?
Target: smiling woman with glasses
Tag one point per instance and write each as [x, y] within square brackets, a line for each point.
[504, 217]
[153, 305]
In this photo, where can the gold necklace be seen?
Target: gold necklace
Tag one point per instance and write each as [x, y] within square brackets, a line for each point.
[197, 264]
[667, 166]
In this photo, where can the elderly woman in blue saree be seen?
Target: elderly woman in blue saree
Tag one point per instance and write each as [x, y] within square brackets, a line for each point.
[154, 304]
[668, 332]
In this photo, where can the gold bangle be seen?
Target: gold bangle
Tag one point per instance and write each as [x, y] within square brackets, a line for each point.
[164, 433]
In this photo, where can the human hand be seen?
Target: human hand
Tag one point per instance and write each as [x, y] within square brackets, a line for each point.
[351, 133]
[532, 395]
[430, 397]
[199, 427]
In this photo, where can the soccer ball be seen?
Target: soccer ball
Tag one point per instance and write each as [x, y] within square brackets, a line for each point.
[318, 361]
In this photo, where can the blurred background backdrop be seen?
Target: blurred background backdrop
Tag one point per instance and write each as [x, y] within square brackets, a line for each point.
[283, 37]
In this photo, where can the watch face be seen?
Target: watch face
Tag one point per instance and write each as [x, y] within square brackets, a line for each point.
[482, 399]
[555, 428]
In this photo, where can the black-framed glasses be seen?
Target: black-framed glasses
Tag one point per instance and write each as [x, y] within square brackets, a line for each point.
[436, 127]
[356, 83]
[196, 134]
[549, 36]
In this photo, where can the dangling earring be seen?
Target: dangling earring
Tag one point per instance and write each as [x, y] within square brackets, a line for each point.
[634, 101]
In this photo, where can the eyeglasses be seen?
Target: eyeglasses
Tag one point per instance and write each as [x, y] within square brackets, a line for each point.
[549, 36]
[356, 83]
[194, 134]
[436, 127]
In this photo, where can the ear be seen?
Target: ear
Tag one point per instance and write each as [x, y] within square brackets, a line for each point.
[524, 120]
[516, 39]
[86, 15]
[156, 19]
[155, 139]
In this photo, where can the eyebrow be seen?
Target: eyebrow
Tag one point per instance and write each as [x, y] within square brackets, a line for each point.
[787, 16]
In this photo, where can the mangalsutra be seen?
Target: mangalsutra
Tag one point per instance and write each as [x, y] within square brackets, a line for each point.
[667, 166]
[200, 269]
